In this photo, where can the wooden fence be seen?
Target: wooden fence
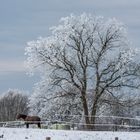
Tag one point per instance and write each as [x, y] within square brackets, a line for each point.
[124, 124]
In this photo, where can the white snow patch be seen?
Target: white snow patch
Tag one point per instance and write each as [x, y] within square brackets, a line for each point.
[41, 134]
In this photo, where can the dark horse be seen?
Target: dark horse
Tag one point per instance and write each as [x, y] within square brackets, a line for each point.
[30, 120]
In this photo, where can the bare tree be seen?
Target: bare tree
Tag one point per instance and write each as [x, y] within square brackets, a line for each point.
[86, 52]
[12, 102]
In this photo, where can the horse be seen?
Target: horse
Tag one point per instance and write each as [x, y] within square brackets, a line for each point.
[30, 120]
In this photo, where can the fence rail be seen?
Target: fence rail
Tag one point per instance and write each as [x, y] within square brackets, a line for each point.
[101, 116]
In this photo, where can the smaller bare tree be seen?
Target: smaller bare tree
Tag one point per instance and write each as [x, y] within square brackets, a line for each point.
[12, 102]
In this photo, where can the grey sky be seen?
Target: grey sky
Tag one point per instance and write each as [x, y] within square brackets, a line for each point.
[25, 20]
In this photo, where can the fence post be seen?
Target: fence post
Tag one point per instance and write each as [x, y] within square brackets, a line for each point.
[116, 138]
[48, 138]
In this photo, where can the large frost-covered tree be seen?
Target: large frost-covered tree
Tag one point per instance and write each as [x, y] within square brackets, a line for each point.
[87, 53]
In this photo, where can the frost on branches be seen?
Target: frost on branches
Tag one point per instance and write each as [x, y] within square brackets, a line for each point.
[83, 53]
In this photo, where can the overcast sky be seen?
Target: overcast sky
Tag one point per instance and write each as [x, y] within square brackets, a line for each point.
[25, 20]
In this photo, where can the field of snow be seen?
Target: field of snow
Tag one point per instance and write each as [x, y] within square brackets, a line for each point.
[41, 134]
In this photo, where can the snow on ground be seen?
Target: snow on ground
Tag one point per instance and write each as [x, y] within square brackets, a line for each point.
[41, 134]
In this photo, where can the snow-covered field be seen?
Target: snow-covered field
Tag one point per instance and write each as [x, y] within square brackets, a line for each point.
[41, 134]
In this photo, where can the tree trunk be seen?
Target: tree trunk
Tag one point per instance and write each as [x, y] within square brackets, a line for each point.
[93, 115]
[86, 112]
